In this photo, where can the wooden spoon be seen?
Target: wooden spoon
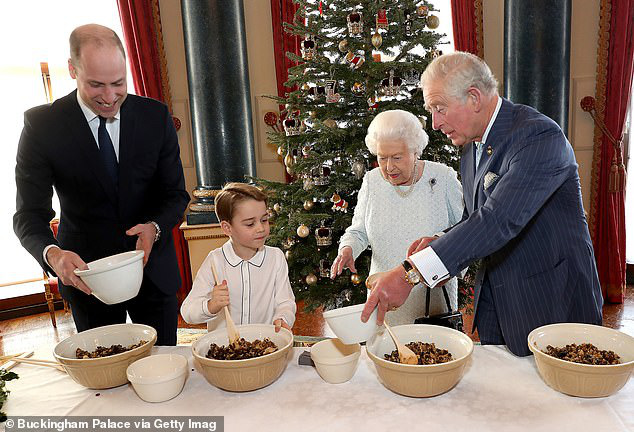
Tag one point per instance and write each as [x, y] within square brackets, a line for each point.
[232, 330]
[406, 355]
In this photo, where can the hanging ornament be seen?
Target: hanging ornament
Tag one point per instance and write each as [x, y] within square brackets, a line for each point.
[312, 114]
[308, 47]
[373, 103]
[306, 150]
[331, 96]
[292, 126]
[280, 151]
[330, 123]
[323, 234]
[308, 183]
[433, 22]
[321, 176]
[355, 60]
[355, 23]
[355, 279]
[381, 19]
[277, 207]
[377, 40]
[339, 204]
[358, 169]
[288, 243]
[309, 205]
[288, 254]
[411, 77]
[391, 86]
[422, 11]
[303, 231]
[270, 212]
[311, 279]
[433, 53]
[324, 268]
[343, 45]
[317, 91]
[358, 89]
[289, 161]
[305, 87]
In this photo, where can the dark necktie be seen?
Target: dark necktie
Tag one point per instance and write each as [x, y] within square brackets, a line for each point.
[107, 151]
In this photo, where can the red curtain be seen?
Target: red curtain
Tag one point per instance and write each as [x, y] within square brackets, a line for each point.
[283, 11]
[141, 23]
[467, 26]
[614, 83]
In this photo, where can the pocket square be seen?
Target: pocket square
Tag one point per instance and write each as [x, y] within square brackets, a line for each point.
[489, 179]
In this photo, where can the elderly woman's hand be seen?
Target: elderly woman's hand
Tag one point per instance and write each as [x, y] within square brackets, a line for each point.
[343, 260]
[419, 245]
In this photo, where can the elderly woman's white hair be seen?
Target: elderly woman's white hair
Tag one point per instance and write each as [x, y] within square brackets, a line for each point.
[397, 125]
[464, 70]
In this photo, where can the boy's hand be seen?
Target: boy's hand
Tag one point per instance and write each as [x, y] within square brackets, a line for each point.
[219, 298]
[279, 323]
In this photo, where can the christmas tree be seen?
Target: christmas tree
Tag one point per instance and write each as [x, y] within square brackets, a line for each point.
[358, 58]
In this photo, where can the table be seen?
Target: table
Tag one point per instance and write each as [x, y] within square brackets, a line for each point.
[499, 392]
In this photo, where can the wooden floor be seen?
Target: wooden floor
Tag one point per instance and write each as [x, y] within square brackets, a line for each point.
[29, 333]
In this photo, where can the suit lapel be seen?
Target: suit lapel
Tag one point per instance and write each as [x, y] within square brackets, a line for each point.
[126, 150]
[85, 143]
[466, 174]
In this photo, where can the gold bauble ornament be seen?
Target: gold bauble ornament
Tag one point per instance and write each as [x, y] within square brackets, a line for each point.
[311, 279]
[303, 231]
[280, 151]
[277, 207]
[305, 87]
[355, 278]
[433, 22]
[377, 40]
[290, 170]
[330, 123]
[288, 255]
[309, 204]
[343, 45]
[288, 160]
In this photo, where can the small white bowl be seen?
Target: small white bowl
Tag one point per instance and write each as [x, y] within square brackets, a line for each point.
[159, 377]
[335, 361]
[346, 324]
[116, 278]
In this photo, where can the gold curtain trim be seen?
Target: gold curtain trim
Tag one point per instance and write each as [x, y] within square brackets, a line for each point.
[479, 13]
[158, 29]
[602, 70]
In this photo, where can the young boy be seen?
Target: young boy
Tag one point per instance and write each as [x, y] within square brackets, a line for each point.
[254, 277]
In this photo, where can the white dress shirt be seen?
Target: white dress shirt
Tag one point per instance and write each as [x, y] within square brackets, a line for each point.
[426, 261]
[259, 288]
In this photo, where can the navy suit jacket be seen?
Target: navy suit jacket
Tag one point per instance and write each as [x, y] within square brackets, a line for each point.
[57, 149]
[528, 226]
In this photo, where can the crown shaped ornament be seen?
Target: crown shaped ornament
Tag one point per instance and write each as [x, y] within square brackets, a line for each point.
[292, 126]
[321, 176]
[355, 23]
[391, 86]
[324, 268]
[411, 77]
[323, 234]
[308, 48]
[381, 19]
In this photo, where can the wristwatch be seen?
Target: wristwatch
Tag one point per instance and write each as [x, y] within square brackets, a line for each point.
[412, 276]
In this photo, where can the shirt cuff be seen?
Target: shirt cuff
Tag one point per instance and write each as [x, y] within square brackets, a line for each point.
[429, 266]
[46, 249]
[205, 309]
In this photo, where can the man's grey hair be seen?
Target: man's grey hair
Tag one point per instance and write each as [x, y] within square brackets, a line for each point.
[461, 71]
[397, 125]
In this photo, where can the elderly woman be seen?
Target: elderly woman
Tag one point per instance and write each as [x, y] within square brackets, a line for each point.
[402, 200]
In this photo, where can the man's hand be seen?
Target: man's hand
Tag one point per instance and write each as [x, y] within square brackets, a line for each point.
[219, 298]
[419, 245]
[145, 238]
[389, 291]
[63, 262]
[343, 260]
[279, 323]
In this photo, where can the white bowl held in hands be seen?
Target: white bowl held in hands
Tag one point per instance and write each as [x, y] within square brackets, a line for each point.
[346, 324]
[335, 361]
[116, 278]
[421, 380]
[576, 379]
[159, 377]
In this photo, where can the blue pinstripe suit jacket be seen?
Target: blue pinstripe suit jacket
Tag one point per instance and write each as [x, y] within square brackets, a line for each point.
[527, 225]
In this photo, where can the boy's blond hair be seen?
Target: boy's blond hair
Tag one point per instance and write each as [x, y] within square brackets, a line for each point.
[231, 195]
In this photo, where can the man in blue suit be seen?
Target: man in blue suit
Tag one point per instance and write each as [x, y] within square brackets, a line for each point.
[523, 213]
[114, 161]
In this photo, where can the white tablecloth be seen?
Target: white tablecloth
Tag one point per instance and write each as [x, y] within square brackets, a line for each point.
[499, 392]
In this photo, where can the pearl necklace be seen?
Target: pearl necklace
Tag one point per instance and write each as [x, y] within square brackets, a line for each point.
[409, 190]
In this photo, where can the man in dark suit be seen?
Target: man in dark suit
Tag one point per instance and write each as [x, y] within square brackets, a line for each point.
[523, 213]
[114, 162]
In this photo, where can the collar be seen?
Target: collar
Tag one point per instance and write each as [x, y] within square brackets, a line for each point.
[88, 113]
[234, 260]
[492, 120]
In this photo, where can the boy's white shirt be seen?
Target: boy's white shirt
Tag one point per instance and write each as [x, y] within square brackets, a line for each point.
[259, 288]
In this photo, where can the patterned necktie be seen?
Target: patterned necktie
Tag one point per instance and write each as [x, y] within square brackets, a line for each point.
[106, 149]
[478, 155]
